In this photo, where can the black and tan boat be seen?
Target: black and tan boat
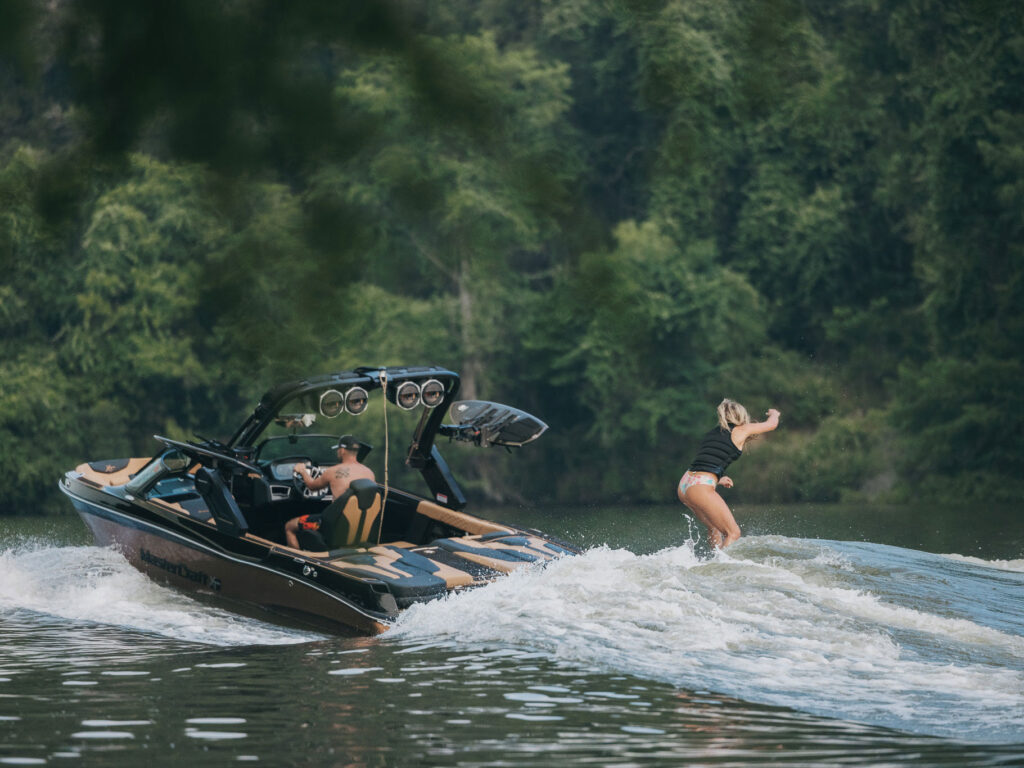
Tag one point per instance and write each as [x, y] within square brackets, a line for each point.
[209, 516]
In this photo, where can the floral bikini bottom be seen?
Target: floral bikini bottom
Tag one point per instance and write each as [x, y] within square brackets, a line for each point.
[691, 479]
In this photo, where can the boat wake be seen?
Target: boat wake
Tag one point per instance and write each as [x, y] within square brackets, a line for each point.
[893, 637]
[94, 585]
[1003, 565]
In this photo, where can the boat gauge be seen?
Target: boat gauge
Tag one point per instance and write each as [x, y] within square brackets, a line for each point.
[432, 393]
[356, 400]
[332, 403]
[407, 395]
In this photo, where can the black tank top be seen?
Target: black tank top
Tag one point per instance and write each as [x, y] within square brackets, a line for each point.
[717, 451]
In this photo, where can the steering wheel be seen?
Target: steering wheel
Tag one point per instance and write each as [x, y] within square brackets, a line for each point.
[300, 485]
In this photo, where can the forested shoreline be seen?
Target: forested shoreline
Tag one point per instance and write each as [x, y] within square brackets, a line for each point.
[610, 214]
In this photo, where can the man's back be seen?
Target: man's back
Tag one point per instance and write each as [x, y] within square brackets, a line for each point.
[341, 475]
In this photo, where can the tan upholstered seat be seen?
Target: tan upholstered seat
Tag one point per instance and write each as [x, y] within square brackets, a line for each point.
[354, 518]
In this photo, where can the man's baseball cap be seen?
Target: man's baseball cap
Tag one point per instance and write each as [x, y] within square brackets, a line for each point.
[348, 442]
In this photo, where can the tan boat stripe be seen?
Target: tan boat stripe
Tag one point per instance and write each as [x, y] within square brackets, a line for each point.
[459, 520]
[535, 547]
[453, 577]
[498, 565]
[380, 566]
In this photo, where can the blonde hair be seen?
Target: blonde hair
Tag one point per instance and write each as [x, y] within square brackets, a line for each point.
[731, 414]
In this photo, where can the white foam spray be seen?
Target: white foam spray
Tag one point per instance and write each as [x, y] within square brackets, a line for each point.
[92, 584]
[773, 621]
[1001, 565]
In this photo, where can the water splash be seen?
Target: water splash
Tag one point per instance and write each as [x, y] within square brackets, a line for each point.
[94, 585]
[857, 631]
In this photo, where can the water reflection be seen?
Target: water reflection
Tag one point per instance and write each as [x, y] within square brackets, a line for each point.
[170, 678]
[435, 703]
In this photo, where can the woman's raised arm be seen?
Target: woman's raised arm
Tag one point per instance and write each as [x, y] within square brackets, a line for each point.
[741, 432]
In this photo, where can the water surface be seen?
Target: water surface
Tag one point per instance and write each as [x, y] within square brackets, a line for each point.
[827, 635]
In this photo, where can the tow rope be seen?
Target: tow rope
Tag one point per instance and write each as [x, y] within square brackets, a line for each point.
[383, 376]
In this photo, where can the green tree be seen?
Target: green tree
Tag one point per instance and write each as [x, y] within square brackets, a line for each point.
[957, 407]
[635, 340]
[37, 398]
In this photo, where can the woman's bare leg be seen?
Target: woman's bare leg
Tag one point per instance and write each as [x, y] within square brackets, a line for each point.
[714, 512]
[714, 535]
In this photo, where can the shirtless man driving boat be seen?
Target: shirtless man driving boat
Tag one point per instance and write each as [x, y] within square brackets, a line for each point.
[337, 477]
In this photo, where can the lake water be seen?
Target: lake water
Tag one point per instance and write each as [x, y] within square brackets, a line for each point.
[827, 635]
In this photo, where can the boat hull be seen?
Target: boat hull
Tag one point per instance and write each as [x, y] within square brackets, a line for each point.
[192, 566]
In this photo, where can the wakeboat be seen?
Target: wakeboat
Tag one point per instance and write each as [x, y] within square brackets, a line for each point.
[209, 517]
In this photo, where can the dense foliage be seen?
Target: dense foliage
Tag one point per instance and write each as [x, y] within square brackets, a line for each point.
[611, 213]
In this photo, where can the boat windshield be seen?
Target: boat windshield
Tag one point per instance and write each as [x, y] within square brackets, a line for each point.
[317, 448]
[168, 463]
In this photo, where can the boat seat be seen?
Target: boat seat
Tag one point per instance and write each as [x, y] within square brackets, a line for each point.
[196, 507]
[188, 504]
[351, 520]
[259, 490]
[221, 503]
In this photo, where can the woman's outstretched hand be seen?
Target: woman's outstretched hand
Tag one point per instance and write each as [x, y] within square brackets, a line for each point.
[725, 481]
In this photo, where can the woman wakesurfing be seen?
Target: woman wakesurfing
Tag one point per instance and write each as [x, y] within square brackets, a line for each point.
[720, 448]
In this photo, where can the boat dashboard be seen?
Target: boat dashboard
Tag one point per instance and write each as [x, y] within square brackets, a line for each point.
[315, 448]
[282, 471]
[279, 458]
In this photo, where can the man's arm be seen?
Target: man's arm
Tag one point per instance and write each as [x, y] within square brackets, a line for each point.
[313, 483]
